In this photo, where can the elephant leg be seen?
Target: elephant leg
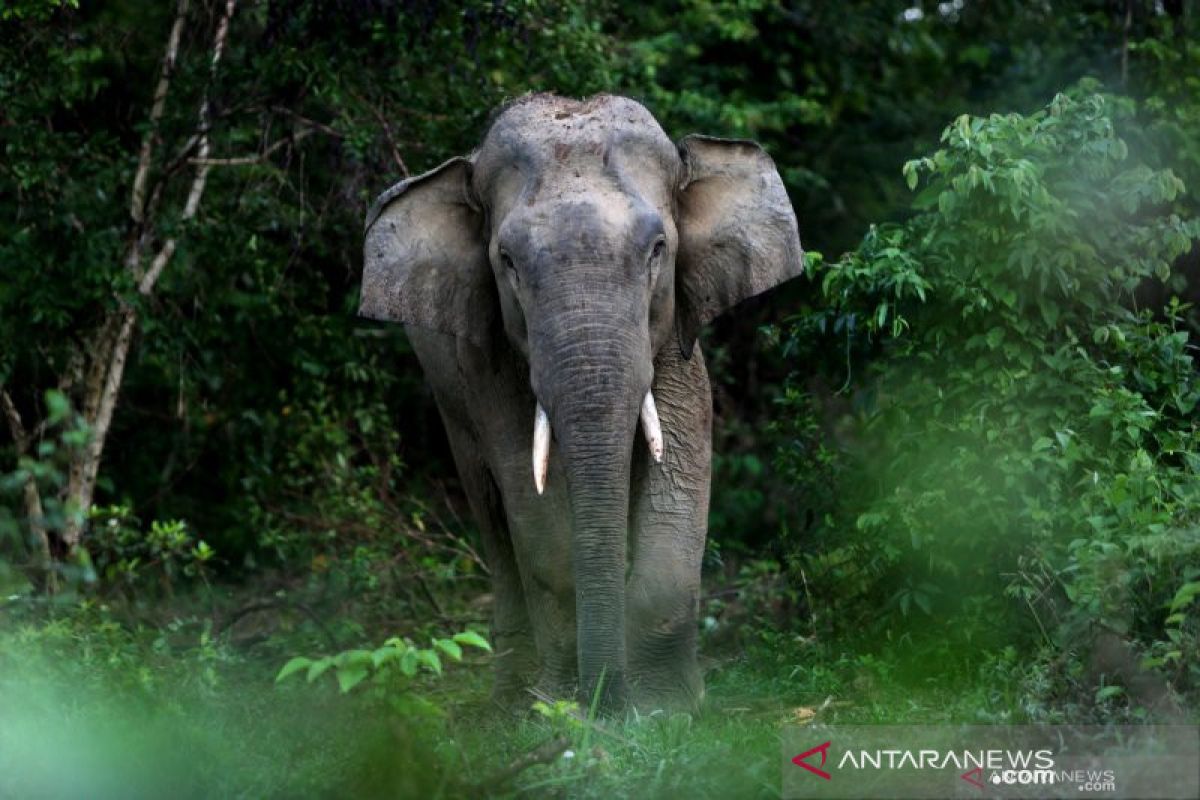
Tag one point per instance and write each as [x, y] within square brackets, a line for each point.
[668, 524]
[512, 632]
[501, 403]
[513, 638]
[541, 535]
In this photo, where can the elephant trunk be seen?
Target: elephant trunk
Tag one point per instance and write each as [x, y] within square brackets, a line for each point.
[595, 394]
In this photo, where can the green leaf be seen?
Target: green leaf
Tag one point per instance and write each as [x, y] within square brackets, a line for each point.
[1108, 692]
[472, 639]
[350, 677]
[385, 654]
[1185, 595]
[963, 123]
[318, 668]
[290, 668]
[449, 647]
[57, 406]
[408, 662]
[430, 659]
[354, 658]
[922, 600]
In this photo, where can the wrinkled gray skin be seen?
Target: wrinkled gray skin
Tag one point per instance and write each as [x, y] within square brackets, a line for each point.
[571, 260]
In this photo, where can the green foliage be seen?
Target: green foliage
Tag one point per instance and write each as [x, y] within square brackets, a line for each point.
[131, 559]
[254, 317]
[989, 434]
[1029, 431]
[34, 9]
[42, 468]
[398, 658]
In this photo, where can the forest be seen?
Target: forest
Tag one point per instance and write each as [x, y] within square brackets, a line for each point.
[956, 464]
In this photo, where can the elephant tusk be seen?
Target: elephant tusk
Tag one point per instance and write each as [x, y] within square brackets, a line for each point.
[541, 448]
[652, 428]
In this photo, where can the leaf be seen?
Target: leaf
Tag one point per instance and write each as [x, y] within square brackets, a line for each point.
[290, 668]
[430, 659]
[922, 601]
[57, 406]
[1108, 692]
[318, 668]
[384, 654]
[963, 123]
[1185, 595]
[354, 658]
[408, 662]
[349, 678]
[449, 647]
[472, 639]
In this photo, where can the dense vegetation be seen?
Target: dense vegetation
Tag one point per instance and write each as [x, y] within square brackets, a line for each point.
[957, 470]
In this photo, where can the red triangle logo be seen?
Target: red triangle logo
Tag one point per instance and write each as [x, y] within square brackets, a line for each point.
[800, 760]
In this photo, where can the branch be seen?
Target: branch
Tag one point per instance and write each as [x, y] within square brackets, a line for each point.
[116, 334]
[545, 753]
[137, 205]
[197, 190]
[147, 281]
[312, 123]
[387, 131]
[267, 605]
[15, 426]
[258, 158]
[34, 510]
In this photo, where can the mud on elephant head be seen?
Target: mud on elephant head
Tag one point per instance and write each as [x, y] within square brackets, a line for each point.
[582, 242]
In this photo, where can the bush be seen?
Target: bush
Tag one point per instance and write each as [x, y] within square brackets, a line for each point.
[1024, 446]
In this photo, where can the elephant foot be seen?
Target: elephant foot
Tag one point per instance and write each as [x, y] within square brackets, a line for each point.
[514, 668]
[511, 694]
[607, 694]
[673, 691]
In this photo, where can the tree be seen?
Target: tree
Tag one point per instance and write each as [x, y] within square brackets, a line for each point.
[94, 369]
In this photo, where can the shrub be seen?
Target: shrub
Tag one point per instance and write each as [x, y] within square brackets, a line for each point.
[1025, 443]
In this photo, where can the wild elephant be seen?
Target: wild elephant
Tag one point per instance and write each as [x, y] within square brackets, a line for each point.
[553, 283]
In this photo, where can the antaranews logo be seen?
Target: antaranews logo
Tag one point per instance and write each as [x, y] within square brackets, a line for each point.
[1019, 767]
[957, 761]
[802, 760]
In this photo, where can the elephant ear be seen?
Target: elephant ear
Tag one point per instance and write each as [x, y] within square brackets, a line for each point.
[737, 231]
[425, 257]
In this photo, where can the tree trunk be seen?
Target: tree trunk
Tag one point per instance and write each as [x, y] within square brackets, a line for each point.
[34, 510]
[110, 354]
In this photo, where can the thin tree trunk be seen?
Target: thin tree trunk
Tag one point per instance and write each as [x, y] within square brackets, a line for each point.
[110, 354]
[34, 511]
[99, 404]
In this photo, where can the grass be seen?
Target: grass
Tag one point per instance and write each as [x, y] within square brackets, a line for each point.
[92, 708]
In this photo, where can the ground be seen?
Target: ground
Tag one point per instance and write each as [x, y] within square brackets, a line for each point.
[100, 709]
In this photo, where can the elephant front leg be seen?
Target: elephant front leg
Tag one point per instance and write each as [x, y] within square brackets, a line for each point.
[542, 543]
[668, 525]
[513, 640]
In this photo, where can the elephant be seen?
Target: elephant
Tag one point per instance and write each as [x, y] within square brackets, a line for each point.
[552, 284]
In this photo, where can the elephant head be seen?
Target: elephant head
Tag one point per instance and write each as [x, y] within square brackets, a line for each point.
[583, 237]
